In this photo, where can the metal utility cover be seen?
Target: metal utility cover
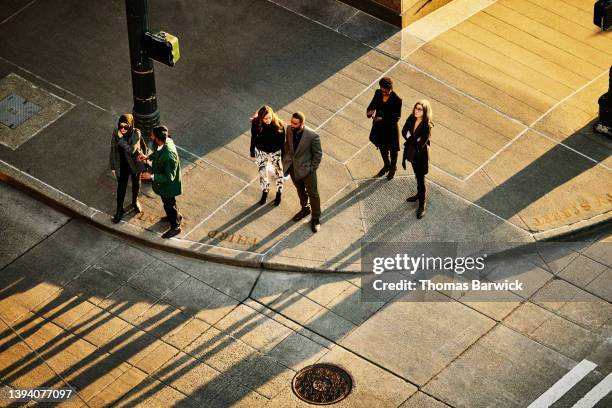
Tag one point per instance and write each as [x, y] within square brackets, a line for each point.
[14, 110]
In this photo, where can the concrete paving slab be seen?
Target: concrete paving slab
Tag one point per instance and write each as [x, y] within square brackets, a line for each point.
[243, 224]
[124, 262]
[21, 219]
[551, 35]
[97, 326]
[328, 12]
[558, 200]
[241, 362]
[534, 44]
[336, 147]
[559, 334]
[214, 274]
[421, 400]
[427, 344]
[118, 389]
[504, 368]
[45, 259]
[511, 67]
[253, 328]
[161, 320]
[158, 279]
[203, 383]
[582, 271]
[347, 131]
[335, 246]
[554, 18]
[437, 60]
[200, 300]
[574, 304]
[542, 65]
[151, 392]
[369, 30]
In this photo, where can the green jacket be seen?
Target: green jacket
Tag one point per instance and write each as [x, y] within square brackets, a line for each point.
[166, 170]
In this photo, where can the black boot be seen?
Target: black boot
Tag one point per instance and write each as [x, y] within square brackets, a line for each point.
[277, 199]
[136, 206]
[413, 199]
[264, 196]
[391, 174]
[420, 213]
[382, 171]
[118, 216]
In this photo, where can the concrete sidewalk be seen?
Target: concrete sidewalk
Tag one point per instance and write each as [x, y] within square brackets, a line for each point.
[126, 325]
[513, 85]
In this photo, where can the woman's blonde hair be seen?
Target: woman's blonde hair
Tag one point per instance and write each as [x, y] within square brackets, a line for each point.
[262, 112]
[427, 112]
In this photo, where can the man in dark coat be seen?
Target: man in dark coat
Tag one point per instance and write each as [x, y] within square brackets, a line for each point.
[386, 110]
[302, 155]
[166, 176]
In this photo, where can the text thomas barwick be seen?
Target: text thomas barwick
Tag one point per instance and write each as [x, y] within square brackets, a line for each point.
[425, 284]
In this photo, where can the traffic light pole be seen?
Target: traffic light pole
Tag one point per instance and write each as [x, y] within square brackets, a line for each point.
[145, 110]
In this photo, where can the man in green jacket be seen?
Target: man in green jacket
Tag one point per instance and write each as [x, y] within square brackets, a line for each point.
[165, 175]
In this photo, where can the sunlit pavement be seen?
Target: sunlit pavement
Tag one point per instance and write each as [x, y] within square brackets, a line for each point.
[126, 325]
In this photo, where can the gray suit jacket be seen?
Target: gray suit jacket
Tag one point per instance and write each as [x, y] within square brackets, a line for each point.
[307, 157]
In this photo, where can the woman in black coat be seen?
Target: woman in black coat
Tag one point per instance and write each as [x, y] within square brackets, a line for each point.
[386, 110]
[126, 145]
[417, 133]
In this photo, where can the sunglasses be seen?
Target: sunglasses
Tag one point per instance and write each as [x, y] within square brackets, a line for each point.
[124, 126]
[418, 109]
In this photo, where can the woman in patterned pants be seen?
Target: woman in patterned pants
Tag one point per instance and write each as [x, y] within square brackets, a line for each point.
[267, 141]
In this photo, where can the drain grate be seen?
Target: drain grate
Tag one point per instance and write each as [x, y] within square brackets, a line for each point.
[14, 110]
[322, 384]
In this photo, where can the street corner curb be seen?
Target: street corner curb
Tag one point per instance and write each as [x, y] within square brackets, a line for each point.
[567, 232]
[62, 201]
[294, 264]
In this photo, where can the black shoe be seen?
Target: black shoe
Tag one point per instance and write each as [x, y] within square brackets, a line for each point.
[315, 226]
[382, 171]
[303, 213]
[391, 174]
[172, 232]
[118, 216]
[420, 212]
[137, 207]
[413, 199]
[264, 196]
[277, 199]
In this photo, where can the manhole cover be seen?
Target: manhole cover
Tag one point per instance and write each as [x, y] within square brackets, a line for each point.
[14, 110]
[322, 384]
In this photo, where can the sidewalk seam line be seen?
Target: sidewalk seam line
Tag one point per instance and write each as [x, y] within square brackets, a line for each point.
[17, 12]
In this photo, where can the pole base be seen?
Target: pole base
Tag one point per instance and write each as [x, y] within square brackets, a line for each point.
[146, 123]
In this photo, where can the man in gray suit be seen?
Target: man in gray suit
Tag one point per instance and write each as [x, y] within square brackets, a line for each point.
[301, 158]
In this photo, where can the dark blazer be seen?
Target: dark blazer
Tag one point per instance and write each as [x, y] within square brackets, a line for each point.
[132, 145]
[385, 134]
[421, 147]
[307, 157]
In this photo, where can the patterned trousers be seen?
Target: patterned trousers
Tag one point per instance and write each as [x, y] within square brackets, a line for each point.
[262, 159]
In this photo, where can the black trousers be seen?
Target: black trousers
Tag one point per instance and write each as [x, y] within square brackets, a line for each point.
[308, 192]
[122, 181]
[420, 179]
[389, 158]
[171, 211]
